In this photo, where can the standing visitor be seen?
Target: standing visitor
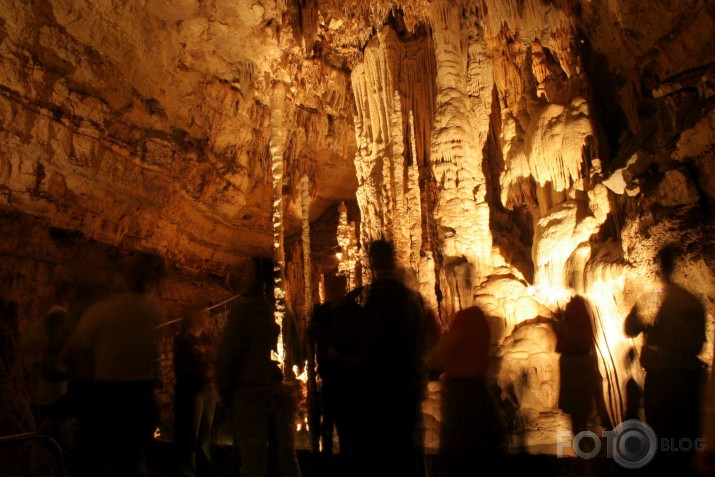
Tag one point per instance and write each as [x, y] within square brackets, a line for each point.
[580, 380]
[472, 434]
[42, 343]
[388, 368]
[118, 339]
[195, 394]
[675, 375]
[251, 384]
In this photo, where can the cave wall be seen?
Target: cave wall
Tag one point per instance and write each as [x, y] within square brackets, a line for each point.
[35, 258]
[551, 169]
[148, 127]
[513, 150]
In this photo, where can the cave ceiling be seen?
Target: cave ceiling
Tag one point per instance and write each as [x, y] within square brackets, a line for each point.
[147, 124]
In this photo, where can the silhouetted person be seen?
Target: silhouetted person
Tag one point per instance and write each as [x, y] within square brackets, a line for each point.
[43, 343]
[251, 384]
[320, 331]
[118, 336]
[344, 388]
[195, 393]
[471, 433]
[672, 398]
[90, 288]
[580, 388]
[387, 367]
[705, 459]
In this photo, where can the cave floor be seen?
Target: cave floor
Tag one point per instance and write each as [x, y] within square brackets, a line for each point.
[316, 465]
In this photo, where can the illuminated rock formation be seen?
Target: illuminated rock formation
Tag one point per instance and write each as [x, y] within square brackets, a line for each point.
[515, 152]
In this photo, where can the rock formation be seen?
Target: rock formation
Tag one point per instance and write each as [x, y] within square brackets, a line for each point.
[514, 151]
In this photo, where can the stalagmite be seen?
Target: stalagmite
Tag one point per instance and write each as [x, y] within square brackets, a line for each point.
[347, 242]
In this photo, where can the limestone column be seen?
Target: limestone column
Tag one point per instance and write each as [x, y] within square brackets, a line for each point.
[277, 144]
[393, 91]
[463, 104]
[313, 418]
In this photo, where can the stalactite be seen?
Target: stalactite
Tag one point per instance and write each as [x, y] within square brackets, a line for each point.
[321, 289]
[400, 223]
[421, 259]
[309, 24]
[308, 308]
[367, 191]
[246, 73]
[412, 196]
[554, 144]
[394, 91]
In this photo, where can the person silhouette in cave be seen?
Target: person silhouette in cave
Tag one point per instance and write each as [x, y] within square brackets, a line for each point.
[341, 323]
[472, 433]
[250, 383]
[386, 367]
[194, 361]
[580, 380]
[119, 338]
[43, 343]
[634, 391]
[320, 332]
[675, 375]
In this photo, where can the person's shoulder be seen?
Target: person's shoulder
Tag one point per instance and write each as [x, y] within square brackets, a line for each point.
[685, 297]
[355, 293]
[56, 311]
[413, 296]
[97, 310]
[249, 310]
[91, 319]
[471, 318]
[471, 312]
[354, 297]
[149, 305]
[387, 288]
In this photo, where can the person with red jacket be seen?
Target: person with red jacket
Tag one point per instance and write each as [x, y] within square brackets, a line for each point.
[472, 435]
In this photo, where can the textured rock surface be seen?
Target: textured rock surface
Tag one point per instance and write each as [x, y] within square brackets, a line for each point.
[513, 150]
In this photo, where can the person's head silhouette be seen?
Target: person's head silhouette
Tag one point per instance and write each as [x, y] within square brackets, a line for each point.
[667, 257]
[145, 272]
[382, 257]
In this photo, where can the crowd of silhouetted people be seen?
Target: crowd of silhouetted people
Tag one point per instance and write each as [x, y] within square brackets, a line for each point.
[95, 365]
[377, 346]
[95, 369]
[95, 372]
[370, 346]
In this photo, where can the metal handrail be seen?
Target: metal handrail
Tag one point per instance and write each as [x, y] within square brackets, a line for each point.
[56, 448]
[208, 308]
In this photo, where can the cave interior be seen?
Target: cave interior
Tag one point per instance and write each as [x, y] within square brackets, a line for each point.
[515, 152]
